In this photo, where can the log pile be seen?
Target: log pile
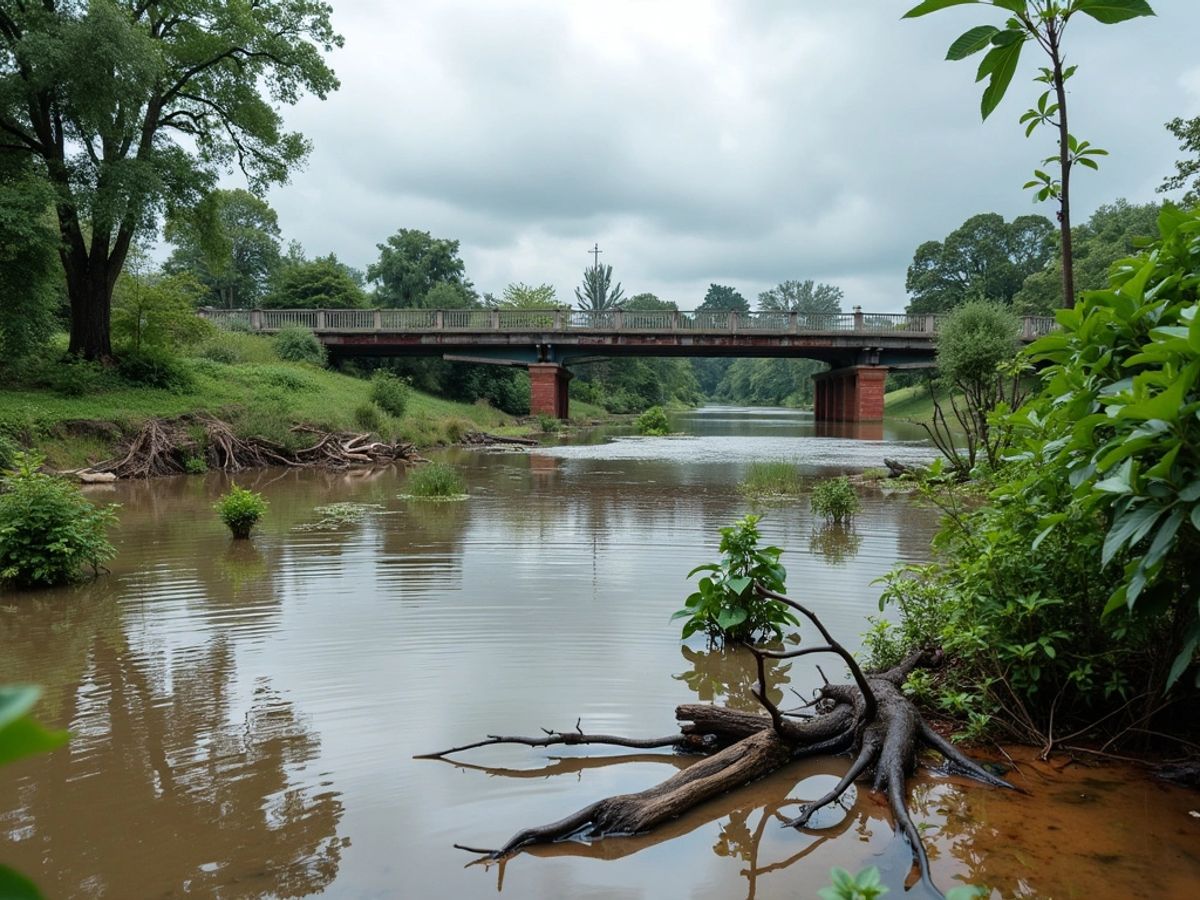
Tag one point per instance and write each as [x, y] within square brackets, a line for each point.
[164, 447]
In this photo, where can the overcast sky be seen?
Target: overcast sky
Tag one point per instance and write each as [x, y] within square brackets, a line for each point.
[742, 143]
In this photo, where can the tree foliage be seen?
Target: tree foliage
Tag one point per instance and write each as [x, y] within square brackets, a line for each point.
[723, 297]
[158, 311]
[1187, 171]
[321, 283]
[29, 267]
[1115, 231]
[803, 297]
[1043, 23]
[519, 295]
[230, 244]
[129, 109]
[984, 258]
[411, 263]
[597, 293]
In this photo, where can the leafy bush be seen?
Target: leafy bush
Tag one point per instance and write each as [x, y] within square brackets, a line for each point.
[367, 417]
[289, 378]
[726, 605]
[835, 499]
[389, 392]
[775, 478]
[48, 530]
[77, 378]
[454, 429]
[435, 481]
[297, 344]
[232, 347]
[195, 465]
[653, 422]
[241, 509]
[9, 449]
[548, 424]
[157, 368]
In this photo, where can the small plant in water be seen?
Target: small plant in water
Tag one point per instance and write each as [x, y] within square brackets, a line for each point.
[241, 509]
[835, 499]
[771, 479]
[653, 422]
[436, 481]
[727, 605]
[548, 424]
[866, 885]
[195, 465]
[48, 530]
[337, 515]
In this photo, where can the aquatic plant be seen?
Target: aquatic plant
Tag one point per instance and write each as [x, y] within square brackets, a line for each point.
[774, 478]
[48, 530]
[835, 499]
[653, 422]
[436, 481]
[241, 509]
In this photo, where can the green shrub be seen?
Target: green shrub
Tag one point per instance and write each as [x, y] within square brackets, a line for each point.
[455, 428]
[9, 449]
[774, 478]
[297, 344]
[241, 509]
[195, 465]
[157, 368]
[435, 481]
[653, 422]
[389, 392]
[289, 378]
[48, 530]
[77, 377]
[726, 605]
[548, 424]
[367, 417]
[232, 348]
[835, 499]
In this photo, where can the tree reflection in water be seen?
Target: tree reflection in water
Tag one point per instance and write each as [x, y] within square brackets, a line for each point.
[727, 675]
[836, 542]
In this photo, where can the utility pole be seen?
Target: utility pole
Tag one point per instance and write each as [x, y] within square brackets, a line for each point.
[596, 251]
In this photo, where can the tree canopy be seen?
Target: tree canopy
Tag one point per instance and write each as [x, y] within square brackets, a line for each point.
[723, 297]
[1115, 231]
[321, 283]
[984, 258]
[411, 263]
[597, 292]
[230, 244]
[1187, 171]
[648, 303]
[519, 295]
[28, 262]
[802, 296]
[130, 109]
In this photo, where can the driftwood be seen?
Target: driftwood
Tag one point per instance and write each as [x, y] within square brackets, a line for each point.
[484, 439]
[870, 718]
[898, 469]
[163, 447]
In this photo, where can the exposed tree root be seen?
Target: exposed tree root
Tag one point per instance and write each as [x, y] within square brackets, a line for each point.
[871, 718]
[164, 447]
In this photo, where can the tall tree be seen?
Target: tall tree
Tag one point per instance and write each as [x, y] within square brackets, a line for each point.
[648, 303]
[411, 263]
[985, 257]
[1187, 171]
[597, 293]
[321, 283]
[230, 244]
[808, 297]
[29, 290]
[519, 295]
[129, 108]
[1043, 22]
[722, 297]
[1115, 231]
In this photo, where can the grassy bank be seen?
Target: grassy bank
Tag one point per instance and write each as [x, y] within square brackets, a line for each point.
[909, 403]
[263, 398]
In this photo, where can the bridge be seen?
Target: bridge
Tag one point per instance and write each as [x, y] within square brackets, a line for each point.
[859, 347]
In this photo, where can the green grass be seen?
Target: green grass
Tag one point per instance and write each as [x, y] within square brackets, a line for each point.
[774, 478]
[435, 481]
[908, 403]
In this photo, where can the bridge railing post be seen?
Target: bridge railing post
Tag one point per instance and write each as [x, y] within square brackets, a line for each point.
[494, 319]
[733, 320]
[439, 319]
[256, 320]
[675, 320]
[793, 322]
[930, 323]
[320, 320]
[377, 317]
[619, 319]
[858, 318]
[1027, 330]
[558, 318]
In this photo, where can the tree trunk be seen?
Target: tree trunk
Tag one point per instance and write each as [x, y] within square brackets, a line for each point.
[1064, 158]
[90, 293]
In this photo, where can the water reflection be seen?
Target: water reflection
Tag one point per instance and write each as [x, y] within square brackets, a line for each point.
[726, 676]
[836, 542]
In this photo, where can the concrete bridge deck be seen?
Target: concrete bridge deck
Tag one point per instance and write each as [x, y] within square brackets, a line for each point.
[860, 347]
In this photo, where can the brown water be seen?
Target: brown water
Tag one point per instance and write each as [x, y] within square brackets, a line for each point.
[243, 715]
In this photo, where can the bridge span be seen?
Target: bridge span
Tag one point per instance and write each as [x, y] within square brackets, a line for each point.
[859, 347]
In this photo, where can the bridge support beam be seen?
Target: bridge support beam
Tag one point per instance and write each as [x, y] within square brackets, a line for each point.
[548, 389]
[853, 394]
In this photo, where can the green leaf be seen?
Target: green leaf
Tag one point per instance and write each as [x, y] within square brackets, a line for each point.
[706, 567]
[971, 42]
[1191, 641]
[25, 736]
[738, 584]
[928, 6]
[1111, 12]
[1124, 528]
[1002, 75]
[15, 701]
[15, 886]
[731, 618]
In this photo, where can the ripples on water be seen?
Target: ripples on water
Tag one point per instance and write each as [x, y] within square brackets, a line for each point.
[244, 713]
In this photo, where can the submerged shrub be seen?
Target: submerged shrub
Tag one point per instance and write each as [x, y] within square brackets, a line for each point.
[726, 606]
[835, 499]
[653, 422]
[435, 481]
[297, 344]
[772, 478]
[241, 509]
[389, 392]
[48, 530]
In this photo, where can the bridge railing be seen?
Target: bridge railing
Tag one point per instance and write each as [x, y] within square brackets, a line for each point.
[566, 320]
